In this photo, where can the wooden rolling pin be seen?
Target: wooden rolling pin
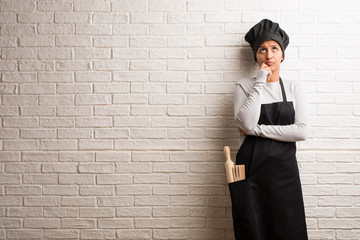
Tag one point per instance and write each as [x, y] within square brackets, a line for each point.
[234, 173]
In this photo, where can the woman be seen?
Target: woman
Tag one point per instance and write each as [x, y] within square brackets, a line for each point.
[272, 116]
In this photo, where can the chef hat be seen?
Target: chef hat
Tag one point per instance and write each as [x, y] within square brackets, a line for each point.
[266, 30]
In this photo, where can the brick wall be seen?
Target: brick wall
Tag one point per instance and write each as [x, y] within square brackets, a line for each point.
[114, 115]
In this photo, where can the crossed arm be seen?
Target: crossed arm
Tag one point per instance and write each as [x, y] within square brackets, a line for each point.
[247, 105]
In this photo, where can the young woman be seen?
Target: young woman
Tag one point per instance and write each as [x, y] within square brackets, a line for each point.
[271, 113]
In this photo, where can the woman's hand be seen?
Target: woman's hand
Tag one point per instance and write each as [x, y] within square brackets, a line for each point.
[242, 132]
[268, 69]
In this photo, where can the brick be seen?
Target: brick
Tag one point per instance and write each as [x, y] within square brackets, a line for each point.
[75, 133]
[36, 65]
[96, 190]
[61, 212]
[72, 17]
[10, 223]
[147, 65]
[185, 111]
[59, 168]
[37, 111]
[109, 65]
[8, 133]
[183, 18]
[62, 234]
[41, 201]
[97, 212]
[17, 29]
[115, 223]
[130, 98]
[97, 234]
[23, 190]
[24, 234]
[96, 168]
[110, 41]
[134, 234]
[17, 5]
[207, 212]
[58, 29]
[36, 41]
[34, 134]
[111, 133]
[40, 179]
[35, 17]
[76, 156]
[92, 77]
[93, 99]
[128, 6]
[8, 17]
[151, 178]
[186, 42]
[167, 77]
[169, 168]
[112, 18]
[92, 53]
[112, 156]
[20, 145]
[170, 190]
[74, 111]
[129, 54]
[93, 6]
[10, 156]
[134, 190]
[168, 122]
[115, 202]
[93, 121]
[133, 168]
[78, 202]
[57, 122]
[22, 168]
[188, 222]
[24, 100]
[41, 223]
[19, 53]
[40, 156]
[79, 223]
[76, 179]
[10, 201]
[173, 99]
[56, 100]
[73, 88]
[73, 41]
[54, 6]
[132, 144]
[52, 53]
[152, 201]
[75, 65]
[24, 212]
[133, 212]
[60, 190]
[152, 223]
[58, 144]
[147, 18]
[147, 42]
[96, 144]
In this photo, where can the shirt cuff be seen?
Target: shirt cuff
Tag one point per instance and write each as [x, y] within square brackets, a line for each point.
[261, 75]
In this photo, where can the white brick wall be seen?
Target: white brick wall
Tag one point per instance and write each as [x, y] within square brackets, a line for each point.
[114, 115]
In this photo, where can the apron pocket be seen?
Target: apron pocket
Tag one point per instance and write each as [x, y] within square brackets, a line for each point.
[242, 213]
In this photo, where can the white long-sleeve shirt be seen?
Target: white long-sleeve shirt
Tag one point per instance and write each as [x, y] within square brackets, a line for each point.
[250, 93]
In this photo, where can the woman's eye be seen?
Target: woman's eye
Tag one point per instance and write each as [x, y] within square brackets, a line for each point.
[275, 49]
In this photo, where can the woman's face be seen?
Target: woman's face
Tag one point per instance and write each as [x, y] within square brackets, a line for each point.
[270, 53]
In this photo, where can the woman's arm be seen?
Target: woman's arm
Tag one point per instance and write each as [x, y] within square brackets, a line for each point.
[288, 133]
[247, 105]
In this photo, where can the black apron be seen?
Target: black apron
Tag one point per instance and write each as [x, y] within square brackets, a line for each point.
[268, 204]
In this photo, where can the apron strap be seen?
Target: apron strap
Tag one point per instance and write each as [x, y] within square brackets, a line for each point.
[283, 90]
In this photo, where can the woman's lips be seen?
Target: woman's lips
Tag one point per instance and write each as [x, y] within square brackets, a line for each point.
[269, 63]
